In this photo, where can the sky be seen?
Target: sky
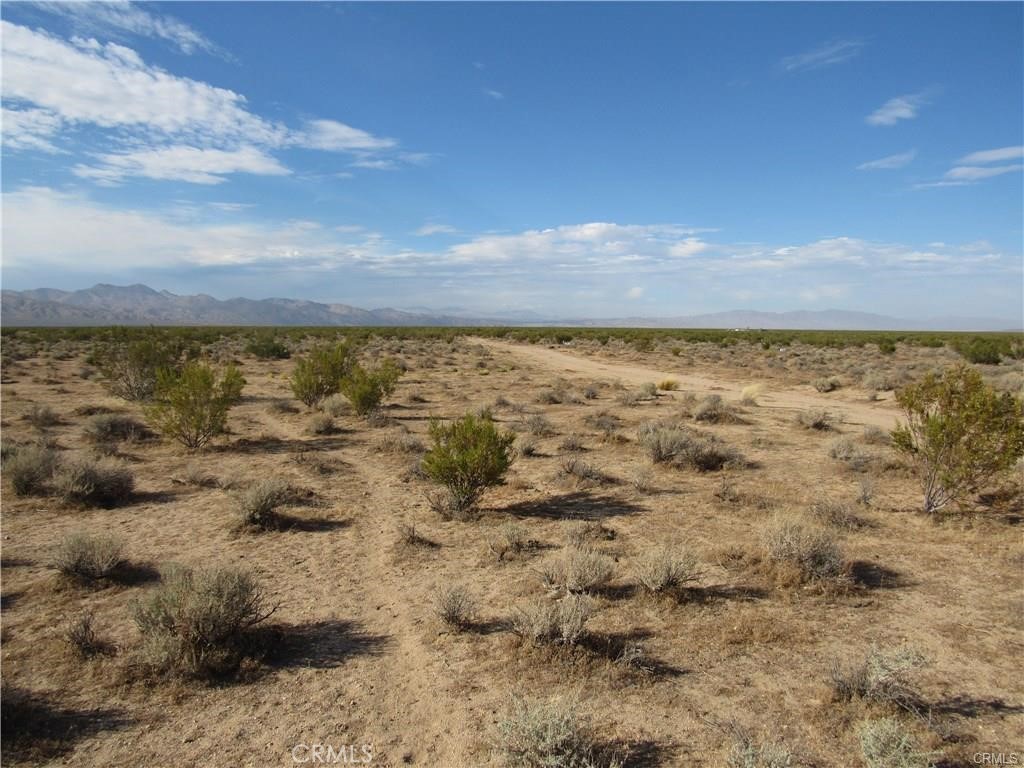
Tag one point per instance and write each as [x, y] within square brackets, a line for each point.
[565, 159]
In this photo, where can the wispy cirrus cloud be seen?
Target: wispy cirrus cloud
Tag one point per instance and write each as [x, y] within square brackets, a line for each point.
[435, 229]
[971, 168]
[496, 95]
[899, 108]
[119, 17]
[157, 125]
[992, 156]
[825, 55]
[889, 162]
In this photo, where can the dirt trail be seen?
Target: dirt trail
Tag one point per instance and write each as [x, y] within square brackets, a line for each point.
[881, 413]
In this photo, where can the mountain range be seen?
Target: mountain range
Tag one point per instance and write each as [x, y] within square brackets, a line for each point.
[141, 305]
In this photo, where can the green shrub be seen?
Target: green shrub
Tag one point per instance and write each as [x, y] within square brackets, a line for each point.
[92, 483]
[319, 374]
[960, 434]
[985, 351]
[466, 457]
[266, 346]
[132, 369]
[30, 468]
[195, 623]
[366, 389]
[192, 405]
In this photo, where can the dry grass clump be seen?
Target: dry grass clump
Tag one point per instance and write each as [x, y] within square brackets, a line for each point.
[93, 483]
[525, 447]
[648, 390]
[821, 421]
[281, 406]
[29, 468]
[573, 443]
[876, 435]
[607, 423]
[713, 410]
[321, 424]
[42, 416]
[582, 473]
[684, 448]
[551, 734]
[455, 607]
[401, 443]
[887, 743]
[827, 384]
[258, 503]
[882, 677]
[666, 570]
[115, 427]
[81, 637]
[87, 557]
[538, 425]
[335, 405]
[835, 514]
[197, 622]
[750, 393]
[746, 751]
[668, 385]
[810, 553]
[561, 622]
[845, 450]
[510, 538]
[578, 569]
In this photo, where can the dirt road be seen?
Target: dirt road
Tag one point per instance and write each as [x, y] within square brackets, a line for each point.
[851, 405]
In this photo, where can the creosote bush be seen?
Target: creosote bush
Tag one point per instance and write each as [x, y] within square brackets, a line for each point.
[960, 434]
[318, 375]
[195, 623]
[87, 557]
[466, 457]
[266, 346]
[93, 483]
[132, 369]
[810, 550]
[192, 404]
[367, 388]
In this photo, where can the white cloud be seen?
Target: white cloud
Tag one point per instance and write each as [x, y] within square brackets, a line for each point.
[337, 137]
[635, 292]
[108, 85]
[969, 173]
[497, 95]
[50, 85]
[898, 108]
[824, 55]
[435, 229]
[181, 163]
[30, 129]
[113, 16]
[992, 156]
[889, 162]
[94, 236]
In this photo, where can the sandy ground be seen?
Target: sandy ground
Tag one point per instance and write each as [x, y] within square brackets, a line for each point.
[366, 660]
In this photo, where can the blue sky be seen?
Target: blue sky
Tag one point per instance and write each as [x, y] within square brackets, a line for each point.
[591, 160]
